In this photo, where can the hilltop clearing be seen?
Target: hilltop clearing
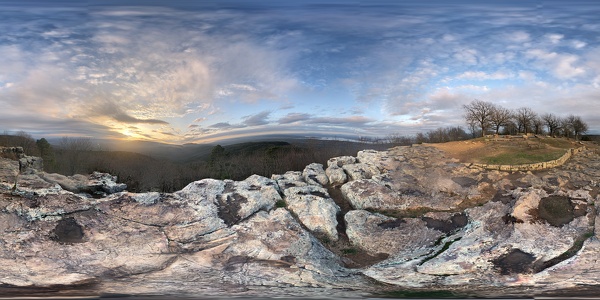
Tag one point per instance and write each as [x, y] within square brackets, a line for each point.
[509, 151]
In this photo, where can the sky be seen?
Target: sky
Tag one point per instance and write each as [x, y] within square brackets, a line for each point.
[199, 71]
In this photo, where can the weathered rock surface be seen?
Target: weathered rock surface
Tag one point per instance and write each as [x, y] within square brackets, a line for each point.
[95, 184]
[315, 175]
[289, 179]
[27, 164]
[414, 178]
[377, 233]
[441, 225]
[315, 209]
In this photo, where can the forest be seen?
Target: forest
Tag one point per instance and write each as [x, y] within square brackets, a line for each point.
[144, 173]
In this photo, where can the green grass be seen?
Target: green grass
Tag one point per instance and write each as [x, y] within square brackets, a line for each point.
[519, 158]
[557, 143]
[348, 251]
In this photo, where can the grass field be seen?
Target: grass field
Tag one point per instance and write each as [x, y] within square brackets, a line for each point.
[519, 158]
[508, 151]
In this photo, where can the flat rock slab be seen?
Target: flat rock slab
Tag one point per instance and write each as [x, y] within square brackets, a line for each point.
[376, 233]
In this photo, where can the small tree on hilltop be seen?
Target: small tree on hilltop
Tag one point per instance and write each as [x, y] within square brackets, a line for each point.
[524, 117]
[552, 122]
[577, 126]
[537, 125]
[479, 112]
[500, 118]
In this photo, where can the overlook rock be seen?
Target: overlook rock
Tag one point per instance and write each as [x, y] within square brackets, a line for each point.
[430, 221]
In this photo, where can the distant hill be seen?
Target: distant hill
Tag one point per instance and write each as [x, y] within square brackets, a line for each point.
[201, 152]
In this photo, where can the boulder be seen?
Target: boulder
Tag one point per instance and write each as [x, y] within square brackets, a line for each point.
[31, 164]
[340, 161]
[336, 175]
[95, 184]
[233, 200]
[105, 182]
[315, 175]
[315, 209]
[289, 179]
[273, 249]
[360, 171]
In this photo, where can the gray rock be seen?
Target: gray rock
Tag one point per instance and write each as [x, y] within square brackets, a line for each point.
[96, 184]
[315, 209]
[31, 164]
[377, 233]
[289, 179]
[272, 248]
[336, 175]
[105, 182]
[340, 161]
[315, 175]
[360, 171]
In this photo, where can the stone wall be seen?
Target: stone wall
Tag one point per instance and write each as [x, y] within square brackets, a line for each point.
[532, 167]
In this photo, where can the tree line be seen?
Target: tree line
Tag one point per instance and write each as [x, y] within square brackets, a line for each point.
[141, 173]
[484, 117]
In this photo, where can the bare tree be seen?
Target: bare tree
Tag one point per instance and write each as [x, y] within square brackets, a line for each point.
[537, 125]
[510, 128]
[576, 125]
[499, 118]
[552, 122]
[74, 149]
[565, 127]
[524, 117]
[27, 142]
[479, 112]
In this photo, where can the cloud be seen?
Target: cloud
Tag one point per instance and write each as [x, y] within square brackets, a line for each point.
[578, 44]
[125, 118]
[258, 119]
[518, 36]
[293, 118]
[468, 56]
[347, 121]
[554, 38]
[563, 66]
[221, 125]
[480, 75]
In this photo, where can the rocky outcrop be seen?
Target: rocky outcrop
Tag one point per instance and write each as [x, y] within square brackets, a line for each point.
[96, 184]
[315, 175]
[315, 209]
[430, 222]
[27, 164]
[377, 233]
